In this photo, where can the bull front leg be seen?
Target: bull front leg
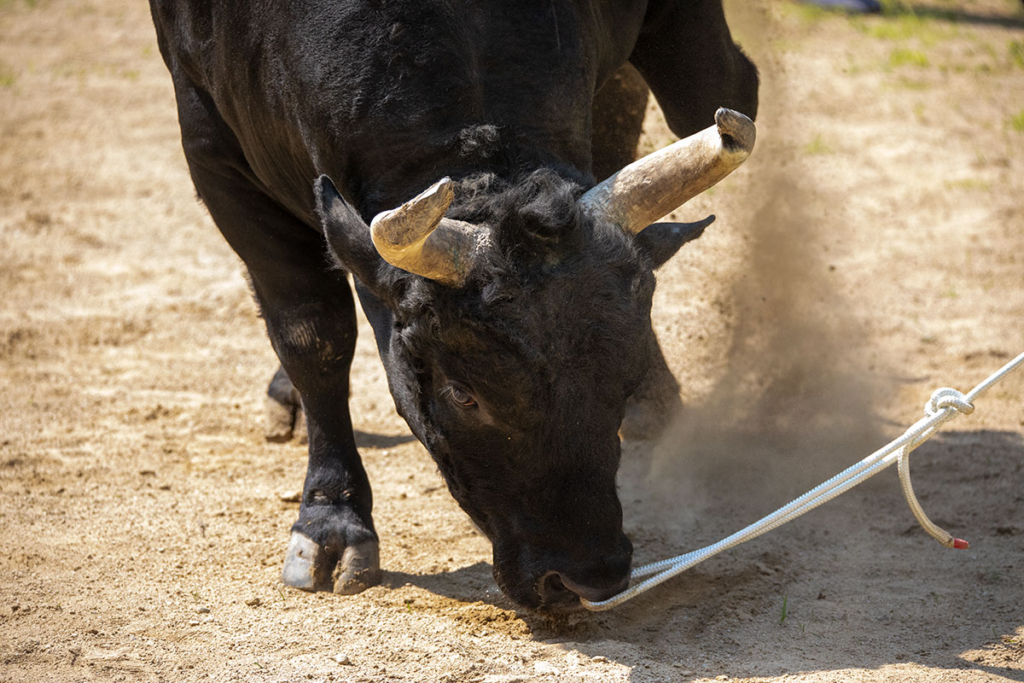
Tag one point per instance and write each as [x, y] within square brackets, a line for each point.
[311, 321]
[333, 543]
[310, 315]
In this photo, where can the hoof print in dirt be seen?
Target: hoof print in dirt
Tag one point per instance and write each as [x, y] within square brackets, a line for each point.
[311, 567]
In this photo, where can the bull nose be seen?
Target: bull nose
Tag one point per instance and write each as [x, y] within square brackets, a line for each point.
[594, 593]
[557, 587]
[594, 579]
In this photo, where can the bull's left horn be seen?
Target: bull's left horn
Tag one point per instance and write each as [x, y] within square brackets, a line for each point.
[660, 182]
[418, 239]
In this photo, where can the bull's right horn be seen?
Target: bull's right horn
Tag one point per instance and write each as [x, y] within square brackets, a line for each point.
[418, 239]
[662, 181]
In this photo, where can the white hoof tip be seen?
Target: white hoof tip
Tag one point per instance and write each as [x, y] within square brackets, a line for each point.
[308, 567]
[303, 563]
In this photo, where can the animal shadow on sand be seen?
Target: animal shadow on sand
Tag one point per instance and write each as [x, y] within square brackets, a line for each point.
[370, 440]
[855, 582]
[465, 584]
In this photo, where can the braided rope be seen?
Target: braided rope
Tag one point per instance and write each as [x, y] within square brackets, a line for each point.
[944, 405]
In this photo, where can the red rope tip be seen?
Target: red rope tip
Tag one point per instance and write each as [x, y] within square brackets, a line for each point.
[961, 544]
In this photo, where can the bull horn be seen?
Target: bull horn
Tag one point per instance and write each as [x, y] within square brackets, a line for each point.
[657, 184]
[418, 239]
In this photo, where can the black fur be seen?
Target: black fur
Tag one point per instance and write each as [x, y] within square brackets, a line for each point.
[550, 334]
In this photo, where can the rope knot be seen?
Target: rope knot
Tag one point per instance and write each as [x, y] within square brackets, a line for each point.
[948, 398]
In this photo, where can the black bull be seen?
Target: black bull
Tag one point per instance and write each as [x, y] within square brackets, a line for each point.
[513, 340]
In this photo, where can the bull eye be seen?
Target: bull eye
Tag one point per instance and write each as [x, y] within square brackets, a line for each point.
[460, 396]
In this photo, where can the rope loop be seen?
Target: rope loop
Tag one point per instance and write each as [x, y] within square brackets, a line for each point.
[943, 405]
[947, 397]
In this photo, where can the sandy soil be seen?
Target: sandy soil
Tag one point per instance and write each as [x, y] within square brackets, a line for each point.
[871, 251]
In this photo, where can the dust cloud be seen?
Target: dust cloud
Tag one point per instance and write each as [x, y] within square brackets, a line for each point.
[794, 404]
[793, 398]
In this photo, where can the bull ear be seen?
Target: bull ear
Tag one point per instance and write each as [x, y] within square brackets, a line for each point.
[661, 241]
[348, 236]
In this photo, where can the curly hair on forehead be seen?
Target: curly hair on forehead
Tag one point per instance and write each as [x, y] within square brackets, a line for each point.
[536, 210]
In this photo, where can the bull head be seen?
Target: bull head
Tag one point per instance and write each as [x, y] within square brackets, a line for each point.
[514, 354]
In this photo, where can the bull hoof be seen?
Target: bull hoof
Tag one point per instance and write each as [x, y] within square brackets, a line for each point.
[283, 417]
[311, 567]
[278, 420]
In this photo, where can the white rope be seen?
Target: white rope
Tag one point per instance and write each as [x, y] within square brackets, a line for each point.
[943, 405]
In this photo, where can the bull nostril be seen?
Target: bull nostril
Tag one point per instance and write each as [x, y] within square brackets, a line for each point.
[596, 593]
[556, 588]
[554, 584]
[552, 589]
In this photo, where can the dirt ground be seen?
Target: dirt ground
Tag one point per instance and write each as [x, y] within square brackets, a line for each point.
[871, 251]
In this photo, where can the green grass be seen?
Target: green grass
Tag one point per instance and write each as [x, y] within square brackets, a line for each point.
[902, 56]
[1017, 121]
[1015, 48]
[907, 27]
[900, 22]
[896, 7]
[818, 146]
[901, 8]
[8, 76]
[784, 44]
[969, 184]
[31, 4]
[912, 84]
[807, 13]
